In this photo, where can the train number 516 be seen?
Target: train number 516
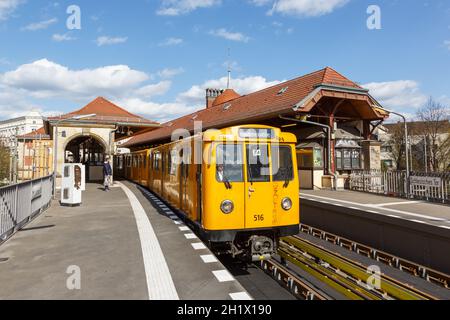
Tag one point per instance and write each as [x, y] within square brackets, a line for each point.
[258, 217]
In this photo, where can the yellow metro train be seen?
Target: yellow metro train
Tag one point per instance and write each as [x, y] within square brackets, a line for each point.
[237, 186]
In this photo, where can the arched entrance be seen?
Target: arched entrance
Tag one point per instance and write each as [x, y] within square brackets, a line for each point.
[89, 151]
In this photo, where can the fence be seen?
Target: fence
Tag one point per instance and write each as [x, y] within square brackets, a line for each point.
[424, 186]
[20, 203]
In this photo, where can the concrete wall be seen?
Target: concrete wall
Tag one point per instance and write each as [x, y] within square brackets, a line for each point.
[424, 244]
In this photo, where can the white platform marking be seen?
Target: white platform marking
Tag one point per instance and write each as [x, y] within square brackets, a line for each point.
[418, 221]
[223, 276]
[395, 203]
[159, 280]
[445, 227]
[198, 246]
[374, 207]
[177, 222]
[184, 229]
[240, 296]
[208, 258]
[190, 236]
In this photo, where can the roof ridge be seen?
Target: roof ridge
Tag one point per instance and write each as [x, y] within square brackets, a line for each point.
[328, 69]
[275, 85]
[102, 99]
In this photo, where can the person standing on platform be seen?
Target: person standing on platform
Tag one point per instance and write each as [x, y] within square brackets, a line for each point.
[107, 173]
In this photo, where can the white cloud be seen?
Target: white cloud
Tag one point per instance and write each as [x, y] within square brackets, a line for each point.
[447, 44]
[47, 79]
[44, 80]
[233, 36]
[62, 37]
[171, 42]
[399, 95]
[193, 99]
[260, 3]
[153, 90]
[40, 25]
[7, 7]
[104, 40]
[179, 7]
[4, 61]
[302, 8]
[169, 73]
[161, 112]
[196, 94]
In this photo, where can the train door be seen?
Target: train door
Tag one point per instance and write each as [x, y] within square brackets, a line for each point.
[258, 189]
[184, 178]
[285, 183]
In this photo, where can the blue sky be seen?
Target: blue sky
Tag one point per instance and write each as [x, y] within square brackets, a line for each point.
[155, 57]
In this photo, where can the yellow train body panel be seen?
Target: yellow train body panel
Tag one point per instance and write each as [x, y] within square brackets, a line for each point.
[243, 190]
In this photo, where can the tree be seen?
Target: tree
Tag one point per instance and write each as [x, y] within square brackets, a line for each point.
[4, 162]
[397, 145]
[436, 131]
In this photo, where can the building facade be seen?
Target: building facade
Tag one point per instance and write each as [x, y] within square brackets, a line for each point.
[9, 129]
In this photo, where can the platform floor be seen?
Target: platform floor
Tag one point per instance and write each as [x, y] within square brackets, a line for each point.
[415, 211]
[122, 244]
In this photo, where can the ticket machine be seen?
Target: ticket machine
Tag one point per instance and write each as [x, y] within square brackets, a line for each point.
[72, 184]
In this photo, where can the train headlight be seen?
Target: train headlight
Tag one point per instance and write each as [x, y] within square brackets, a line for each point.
[227, 206]
[286, 204]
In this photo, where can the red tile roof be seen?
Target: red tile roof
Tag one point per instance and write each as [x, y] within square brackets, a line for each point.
[106, 112]
[227, 96]
[255, 106]
[38, 134]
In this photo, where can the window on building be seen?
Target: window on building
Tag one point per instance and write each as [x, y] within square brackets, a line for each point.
[348, 159]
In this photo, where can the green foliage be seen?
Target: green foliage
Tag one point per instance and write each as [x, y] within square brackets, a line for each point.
[4, 163]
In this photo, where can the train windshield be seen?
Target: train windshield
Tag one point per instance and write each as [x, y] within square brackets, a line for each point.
[229, 163]
[258, 166]
[282, 169]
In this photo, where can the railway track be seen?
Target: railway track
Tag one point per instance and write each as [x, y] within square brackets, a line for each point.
[412, 268]
[297, 286]
[348, 277]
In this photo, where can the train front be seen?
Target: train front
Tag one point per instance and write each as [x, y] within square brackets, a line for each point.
[251, 190]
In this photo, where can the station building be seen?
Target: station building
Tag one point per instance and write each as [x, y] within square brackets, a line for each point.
[84, 136]
[333, 118]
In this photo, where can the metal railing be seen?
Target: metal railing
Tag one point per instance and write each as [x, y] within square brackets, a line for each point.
[20, 203]
[420, 185]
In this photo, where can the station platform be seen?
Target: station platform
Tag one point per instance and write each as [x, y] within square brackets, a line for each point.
[414, 211]
[120, 245]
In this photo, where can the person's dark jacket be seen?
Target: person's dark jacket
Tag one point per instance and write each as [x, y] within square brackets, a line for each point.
[107, 170]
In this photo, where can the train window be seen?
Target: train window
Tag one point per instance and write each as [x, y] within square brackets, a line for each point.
[258, 169]
[156, 161]
[282, 168]
[173, 162]
[229, 163]
[144, 161]
[134, 161]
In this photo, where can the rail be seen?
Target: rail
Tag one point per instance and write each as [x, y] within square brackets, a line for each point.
[412, 268]
[421, 185]
[20, 203]
[298, 287]
[348, 277]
